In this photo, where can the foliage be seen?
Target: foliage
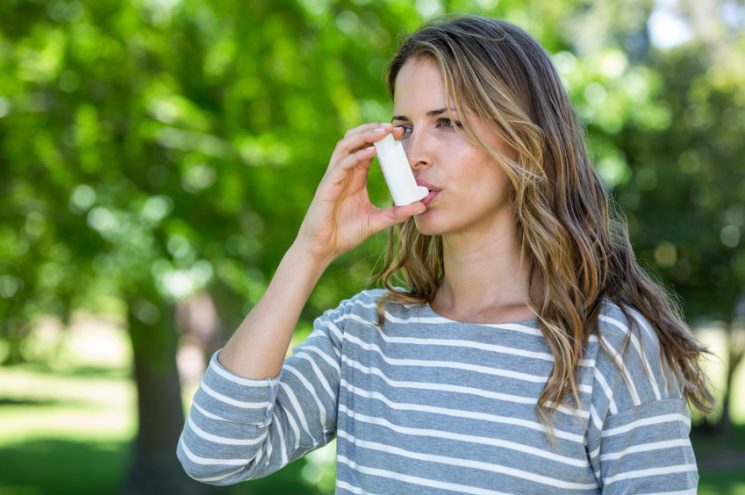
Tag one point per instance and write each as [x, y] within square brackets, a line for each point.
[180, 142]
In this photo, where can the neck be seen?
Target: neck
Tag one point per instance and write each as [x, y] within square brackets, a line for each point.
[483, 274]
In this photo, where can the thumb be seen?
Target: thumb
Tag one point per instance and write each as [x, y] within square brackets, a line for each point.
[389, 217]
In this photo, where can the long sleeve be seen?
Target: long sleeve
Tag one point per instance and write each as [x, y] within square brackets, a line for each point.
[241, 428]
[646, 449]
[638, 439]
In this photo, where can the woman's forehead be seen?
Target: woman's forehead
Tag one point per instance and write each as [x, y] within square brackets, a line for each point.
[419, 87]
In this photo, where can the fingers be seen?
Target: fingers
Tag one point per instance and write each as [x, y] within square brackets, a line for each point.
[360, 157]
[360, 137]
[398, 132]
[356, 148]
[337, 171]
[363, 128]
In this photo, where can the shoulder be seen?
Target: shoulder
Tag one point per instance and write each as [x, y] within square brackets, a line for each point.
[627, 356]
[619, 326]
[360, 307]
[365, 301]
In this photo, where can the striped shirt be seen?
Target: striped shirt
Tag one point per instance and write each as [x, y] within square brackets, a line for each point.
[425, 404]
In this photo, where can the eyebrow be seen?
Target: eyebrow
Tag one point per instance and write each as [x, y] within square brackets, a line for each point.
[431, 113]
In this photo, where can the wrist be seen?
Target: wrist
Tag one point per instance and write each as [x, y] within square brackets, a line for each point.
[300, 252]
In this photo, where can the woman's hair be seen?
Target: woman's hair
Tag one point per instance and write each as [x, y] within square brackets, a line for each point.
[573, 239]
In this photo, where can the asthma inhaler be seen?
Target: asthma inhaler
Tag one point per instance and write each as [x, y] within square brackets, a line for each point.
[397, 172]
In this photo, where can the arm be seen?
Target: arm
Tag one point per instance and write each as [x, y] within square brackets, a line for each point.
[647, 450]
[253, 414]
[258, 347]
[638, 439]
[242, 428]
[339, 218]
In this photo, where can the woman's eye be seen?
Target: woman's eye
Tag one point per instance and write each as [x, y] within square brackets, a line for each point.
[449, 122]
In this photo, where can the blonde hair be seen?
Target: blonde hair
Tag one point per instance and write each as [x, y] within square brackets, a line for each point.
[574, 240]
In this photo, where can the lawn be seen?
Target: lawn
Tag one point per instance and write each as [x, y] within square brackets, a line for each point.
[72, 417]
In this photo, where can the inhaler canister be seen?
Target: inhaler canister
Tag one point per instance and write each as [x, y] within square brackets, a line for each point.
[397, 172]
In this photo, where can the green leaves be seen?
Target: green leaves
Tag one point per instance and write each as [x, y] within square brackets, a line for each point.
[180, 143]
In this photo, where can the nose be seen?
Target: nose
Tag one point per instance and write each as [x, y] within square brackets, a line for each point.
[418, 149]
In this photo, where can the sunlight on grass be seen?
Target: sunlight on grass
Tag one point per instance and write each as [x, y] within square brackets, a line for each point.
[72, 410]
[713, 336]
[84, 393]
[734, 489]
[738, 401]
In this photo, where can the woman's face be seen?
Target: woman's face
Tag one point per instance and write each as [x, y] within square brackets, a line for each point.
[473, 190]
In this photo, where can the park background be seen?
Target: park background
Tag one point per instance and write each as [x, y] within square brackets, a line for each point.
[157, 158]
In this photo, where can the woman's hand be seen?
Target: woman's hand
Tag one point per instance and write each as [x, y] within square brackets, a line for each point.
[341, 216]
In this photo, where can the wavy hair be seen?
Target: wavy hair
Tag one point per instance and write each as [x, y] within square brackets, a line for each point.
[573, 238]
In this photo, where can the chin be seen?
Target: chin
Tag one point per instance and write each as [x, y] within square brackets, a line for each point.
[426, 226]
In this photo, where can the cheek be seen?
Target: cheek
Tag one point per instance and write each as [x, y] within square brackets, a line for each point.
[483, 179]
[469, 170]
[461, 160]
[474, 165]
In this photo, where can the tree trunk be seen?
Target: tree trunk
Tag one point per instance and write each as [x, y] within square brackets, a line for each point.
[735, 357]
[15, 334]
[154, 468]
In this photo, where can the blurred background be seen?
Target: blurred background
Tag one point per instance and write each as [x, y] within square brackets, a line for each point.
[157, 158]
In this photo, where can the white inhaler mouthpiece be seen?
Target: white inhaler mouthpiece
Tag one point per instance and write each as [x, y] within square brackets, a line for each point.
[397, 172]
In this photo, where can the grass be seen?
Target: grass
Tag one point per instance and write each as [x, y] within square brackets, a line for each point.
[57, 466]
[66, 425]
[69, 467]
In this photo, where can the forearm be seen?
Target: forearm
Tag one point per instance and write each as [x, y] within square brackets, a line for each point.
[258, 348]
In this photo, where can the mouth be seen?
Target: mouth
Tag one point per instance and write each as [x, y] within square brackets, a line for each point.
[429, 197]
[433, 191]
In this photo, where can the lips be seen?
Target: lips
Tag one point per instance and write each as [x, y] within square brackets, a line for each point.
[429, 197]
[433, 190]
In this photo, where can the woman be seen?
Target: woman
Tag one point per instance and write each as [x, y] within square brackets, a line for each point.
[527, 352]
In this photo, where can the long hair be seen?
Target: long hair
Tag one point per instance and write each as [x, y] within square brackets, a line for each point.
[574, 240]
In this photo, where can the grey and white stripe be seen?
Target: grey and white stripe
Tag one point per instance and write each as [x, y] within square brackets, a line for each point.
[424, 403]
